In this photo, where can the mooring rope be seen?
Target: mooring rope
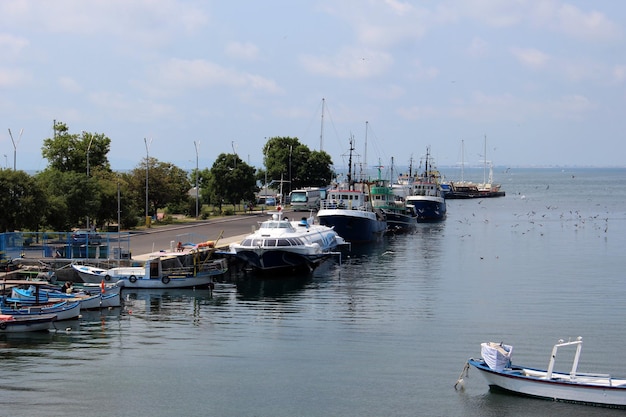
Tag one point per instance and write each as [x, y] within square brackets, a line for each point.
[464, 371]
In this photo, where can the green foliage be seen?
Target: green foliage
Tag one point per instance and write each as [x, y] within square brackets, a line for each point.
[22, 200]
[231, 180]
[167, 184]
[78, 153]
[287, 160]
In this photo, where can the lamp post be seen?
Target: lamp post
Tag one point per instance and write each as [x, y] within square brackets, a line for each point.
[15, 147]
[196, 145]
[88, 149]
[147, 143]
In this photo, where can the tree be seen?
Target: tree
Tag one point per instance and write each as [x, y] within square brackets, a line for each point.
[71, 152]
[287, 160]
[167, 184]
[72, 197]
[231, 180]
[22, 200]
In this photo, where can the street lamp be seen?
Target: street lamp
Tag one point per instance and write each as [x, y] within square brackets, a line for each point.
[196, 145]
[88, 149]
[147, 143]
[15, 147]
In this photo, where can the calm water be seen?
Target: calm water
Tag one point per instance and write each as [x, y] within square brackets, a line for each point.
[384, 334]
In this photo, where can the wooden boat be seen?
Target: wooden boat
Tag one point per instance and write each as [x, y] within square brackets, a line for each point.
[63, 310]
[167, 271]
[21, 324]
[586, 388]
[283, 245]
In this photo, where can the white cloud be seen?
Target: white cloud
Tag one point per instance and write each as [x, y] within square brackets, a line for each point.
[348, 63]
[13, 77]
[70, 85]
[592, 25]
[245, 51]
[530, 57]
[478, 48]
[180, 74]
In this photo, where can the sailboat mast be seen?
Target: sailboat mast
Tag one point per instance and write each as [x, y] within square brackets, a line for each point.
[365, 153]
[322, 127]
[485, 166]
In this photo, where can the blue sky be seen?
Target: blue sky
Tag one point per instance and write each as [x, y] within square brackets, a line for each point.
[544, 81]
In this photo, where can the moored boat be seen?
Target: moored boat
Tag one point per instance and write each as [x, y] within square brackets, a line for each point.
[573, 386]
[284, 245]
[350, 212]
[21, 324]
[400, 217]
[63, 310]
[426, 195]
[168, 271]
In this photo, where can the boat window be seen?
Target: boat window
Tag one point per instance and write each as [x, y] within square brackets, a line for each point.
[284, 242]
[270, 242]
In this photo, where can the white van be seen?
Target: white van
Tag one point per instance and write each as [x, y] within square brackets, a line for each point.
[305, 199]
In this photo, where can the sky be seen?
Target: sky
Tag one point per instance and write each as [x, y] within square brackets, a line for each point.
[536, 83]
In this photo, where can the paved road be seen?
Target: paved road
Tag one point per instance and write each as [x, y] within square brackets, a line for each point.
[160, 237]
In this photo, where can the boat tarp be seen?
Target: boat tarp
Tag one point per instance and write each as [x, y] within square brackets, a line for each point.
[496, 355]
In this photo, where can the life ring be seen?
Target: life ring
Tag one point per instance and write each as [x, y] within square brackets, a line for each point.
[165, 280]
[132, 279]
[3, 325]
[107, 277]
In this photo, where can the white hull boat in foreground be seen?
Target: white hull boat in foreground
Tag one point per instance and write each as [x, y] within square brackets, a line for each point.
[585, 388]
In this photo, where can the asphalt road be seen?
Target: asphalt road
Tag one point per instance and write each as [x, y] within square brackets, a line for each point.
[160, 237]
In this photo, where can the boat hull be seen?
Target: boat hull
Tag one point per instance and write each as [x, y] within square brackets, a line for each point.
[354, 225]
[281, 261]
[22, 324]
[64, 310]
[558, 388]
[473, 194]
[168, 282]
[400, 222]
[428, 208]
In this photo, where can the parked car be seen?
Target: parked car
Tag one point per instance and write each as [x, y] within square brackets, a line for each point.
[81, 237]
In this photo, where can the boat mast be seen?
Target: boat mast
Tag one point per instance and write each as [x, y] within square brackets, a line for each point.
[485, 166]
[350, 164]
[322, 127]
[462, 160]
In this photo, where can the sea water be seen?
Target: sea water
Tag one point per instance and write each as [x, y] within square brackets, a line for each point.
[384, 332]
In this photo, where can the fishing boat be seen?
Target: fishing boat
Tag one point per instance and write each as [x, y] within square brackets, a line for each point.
[63, 310]
[349, 211]
[426, 195]
[89, 273]
[168, 271]
[466, 189]
[573, 386]
[20, 324]
[281, 244]
[400, 217]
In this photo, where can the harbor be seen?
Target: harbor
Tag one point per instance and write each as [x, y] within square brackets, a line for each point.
[385, 333]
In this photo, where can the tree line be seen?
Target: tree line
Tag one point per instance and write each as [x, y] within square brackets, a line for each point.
[78, 188]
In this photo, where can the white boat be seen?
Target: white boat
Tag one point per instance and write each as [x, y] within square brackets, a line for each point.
[99, 300]
[21, 324]
[168, 271]
[281, 244]
[89, 274]
[573, 386]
